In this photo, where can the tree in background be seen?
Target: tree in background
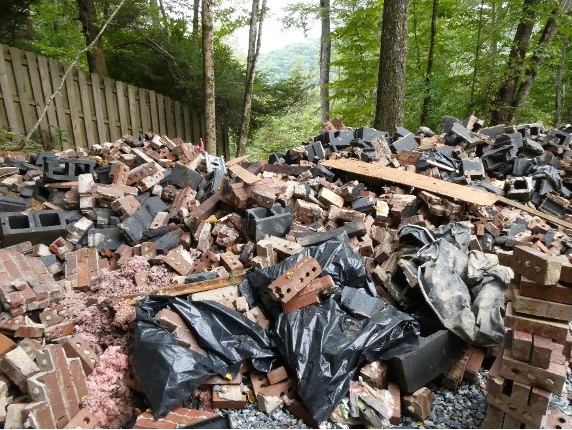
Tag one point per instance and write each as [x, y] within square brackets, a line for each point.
[88, 19]
[209, 77]
[390, 105]
[254, 41]
[13, 20]
[325, 58]
[429, 71]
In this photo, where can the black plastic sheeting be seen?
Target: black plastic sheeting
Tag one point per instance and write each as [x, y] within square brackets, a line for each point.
[170, 373]
[465, 289]
[336, 259]
[323, 344]
[326, 345]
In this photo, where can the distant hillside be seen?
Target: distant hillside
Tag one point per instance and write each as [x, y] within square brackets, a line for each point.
[278, 64]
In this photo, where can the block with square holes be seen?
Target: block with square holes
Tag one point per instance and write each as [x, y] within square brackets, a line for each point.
[537, 266]
[294, 279]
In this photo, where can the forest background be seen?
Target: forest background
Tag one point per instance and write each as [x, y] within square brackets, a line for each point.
[368, 62]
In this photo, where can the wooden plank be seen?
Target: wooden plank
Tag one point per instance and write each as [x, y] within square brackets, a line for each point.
[437, 186]
[133, 114]
[195, 287]
[162, 114]
[236, 160]
[144, 110]
[532, 211]
[243, 174]
[170, 119]
[24, 90]
[122, 107]
[74, 112]
[91, 138]
[98, 106]
[179, 127]
[7, 95]
[38, 94]
[46, 85]
[197, 131]
[443, 188]
[154, 112]
[112, 109]
[59, 100]
[188, 137]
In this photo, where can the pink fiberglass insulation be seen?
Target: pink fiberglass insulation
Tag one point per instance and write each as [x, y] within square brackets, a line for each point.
[110, 399]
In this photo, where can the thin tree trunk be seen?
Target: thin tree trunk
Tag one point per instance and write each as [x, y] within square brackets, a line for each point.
[389, 110]
[429, 71]
[505, 97]
[558, 90]
[416, 35]
[209, 77]
[96, 55]
[325, 57]
[548, 33]
[477, 54]
[196, 7]
[254, 42]
[165, 19]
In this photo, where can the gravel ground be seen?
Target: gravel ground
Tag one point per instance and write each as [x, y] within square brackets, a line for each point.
[463, 410]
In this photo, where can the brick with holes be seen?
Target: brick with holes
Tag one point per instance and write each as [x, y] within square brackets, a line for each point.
[294, 279]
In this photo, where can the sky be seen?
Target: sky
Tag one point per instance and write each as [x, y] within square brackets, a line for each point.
[274, 35]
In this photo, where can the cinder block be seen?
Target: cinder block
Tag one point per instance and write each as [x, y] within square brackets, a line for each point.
[37, 227]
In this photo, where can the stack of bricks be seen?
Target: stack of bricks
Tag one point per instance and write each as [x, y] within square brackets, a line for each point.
[536, 353]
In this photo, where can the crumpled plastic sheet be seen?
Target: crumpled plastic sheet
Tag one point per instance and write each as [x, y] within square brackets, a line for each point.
[325, 345]
[336, 259]
[169, 372]
[465, 290]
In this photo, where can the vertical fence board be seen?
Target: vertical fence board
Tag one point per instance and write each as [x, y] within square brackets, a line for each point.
[7, 95]
[144, 109]
[187, 124]
[74, 107]
[162, 116]
[171, 132]
[112, 111]
[23, 88]
[39, 100]
[197, 134]
[91, 138]
[58, 100]
[46, 84]
[154, 112]
[133, 115]
[123, 115]
[179, 130]
[98, 106]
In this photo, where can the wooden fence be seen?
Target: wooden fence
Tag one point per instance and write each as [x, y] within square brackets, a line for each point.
[89, 109]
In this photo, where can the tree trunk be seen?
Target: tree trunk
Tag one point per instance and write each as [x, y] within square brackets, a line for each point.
[325, 57]
[96, 55]
[196, 7]
[477, 54]
[558, 89]
[254, 41]
[389, 110]
[429, 71]
[538, 57]
[502, 107]
[209, 77]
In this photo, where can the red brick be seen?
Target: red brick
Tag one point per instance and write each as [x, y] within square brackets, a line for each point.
[39, 415]
[84, 419]
[553, 329]
[521, 345]
[535, 265]
[395, 418]
[6, 344]
[237, 400]
[554, 293]
[418, 405]
[277, 375]
[375, 374]
[551, 379]
[75, 346]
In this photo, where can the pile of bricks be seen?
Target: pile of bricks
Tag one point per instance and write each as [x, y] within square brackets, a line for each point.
[534, 362]
[207, 222]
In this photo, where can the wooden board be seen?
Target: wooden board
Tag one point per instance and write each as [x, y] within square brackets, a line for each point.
[36, 83]
[437, 186]
[122, 107]
[144, 109]
[111, 105]
[133, 113]
[23, 88]
[195, 287]
[73, 98]
[162, 116]
[59, 99]
[47, 91]
[8, 96]
[154, 112]
[179, 128]
[98, 106]
[170, 114]
[188, 137]
[91, 137]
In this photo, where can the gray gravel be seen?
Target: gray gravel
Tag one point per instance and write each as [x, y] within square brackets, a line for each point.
[463, 410]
